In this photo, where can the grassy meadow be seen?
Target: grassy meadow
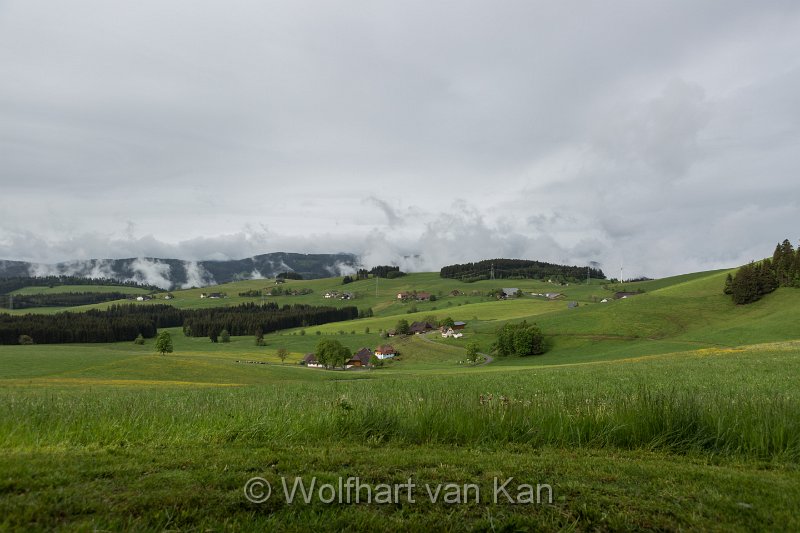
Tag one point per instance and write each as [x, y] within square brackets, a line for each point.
[670, 410]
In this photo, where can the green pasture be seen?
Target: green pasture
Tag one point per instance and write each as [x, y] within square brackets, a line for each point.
[671, 410]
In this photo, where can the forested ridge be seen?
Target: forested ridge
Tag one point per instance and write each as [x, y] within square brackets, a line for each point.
[517, 269]
[126, 321]
[62, 299]
[11, 284]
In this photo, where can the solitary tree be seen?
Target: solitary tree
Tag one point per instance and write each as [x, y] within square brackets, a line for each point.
[472, 352]
[402, 327]
[224, 336]
[164, 343]
[139, 340]
[25, 339]
[282, 353]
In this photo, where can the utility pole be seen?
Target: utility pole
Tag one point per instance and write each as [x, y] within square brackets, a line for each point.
[491, 274]
[376, 285]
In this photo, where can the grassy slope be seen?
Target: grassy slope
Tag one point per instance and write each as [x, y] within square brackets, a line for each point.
[114, 437]
[82, 451]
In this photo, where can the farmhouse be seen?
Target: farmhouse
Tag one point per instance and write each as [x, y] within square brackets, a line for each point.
[310, 360]
[332, 294]
[143, 298]
[423, 296]
[360, 359]
[385, 352]
[459, 325]
[213, 295]
[418, 328]
[510, 292]
[451, 334]
[553, 295]
[405, 295]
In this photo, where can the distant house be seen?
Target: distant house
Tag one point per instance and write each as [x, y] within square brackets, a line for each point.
[391, 333]
[214, 295]
[310, 360]
[360, 359]
[449, 333]
[510, 292]
[346, 296]
[604, 301]
[332, 294]
[553, 295]
[456, 292]
[417, 328]
[168, 297]
[622, 295]
[403, 295]
[385, 352]
[423, 296]
[144, 298]
[572, 305]
[279, 281]
[459, 325]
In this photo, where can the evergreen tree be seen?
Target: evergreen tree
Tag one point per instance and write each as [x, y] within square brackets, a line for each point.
[728, 284]
[224, 336]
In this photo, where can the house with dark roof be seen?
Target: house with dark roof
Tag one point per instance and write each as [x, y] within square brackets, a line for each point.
[459, 325]
[418, 328]
[310, 360]
[360, 359]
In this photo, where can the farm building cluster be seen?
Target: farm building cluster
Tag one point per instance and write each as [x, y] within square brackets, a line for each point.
[361, 359]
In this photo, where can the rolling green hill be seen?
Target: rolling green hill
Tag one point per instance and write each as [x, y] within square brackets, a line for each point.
[672, 409]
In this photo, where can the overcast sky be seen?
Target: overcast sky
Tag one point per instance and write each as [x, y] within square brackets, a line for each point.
[662, 135]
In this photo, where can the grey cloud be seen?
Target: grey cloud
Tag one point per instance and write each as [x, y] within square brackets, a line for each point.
[569, 131]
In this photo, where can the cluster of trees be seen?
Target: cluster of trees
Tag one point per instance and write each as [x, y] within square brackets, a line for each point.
[520, 339]
[289, 275]
[11, 284]
[753, 281]
[387, 271]
[332, 353]
[251, 318]
[91, 326]
[280, 291]
[252, 293]
[517, 269]
[127, 321]
[65, 299]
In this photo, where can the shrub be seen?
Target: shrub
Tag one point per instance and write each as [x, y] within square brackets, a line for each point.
[27, 340]
[224, 336]
[139, 340]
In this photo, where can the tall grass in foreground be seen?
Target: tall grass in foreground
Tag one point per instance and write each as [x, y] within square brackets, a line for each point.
[456, 410]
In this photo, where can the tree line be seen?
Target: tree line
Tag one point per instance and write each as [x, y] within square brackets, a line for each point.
[517, 269]
[752, 281]
[11, 284]
[251, 318]
[63, 299]
[125, 322]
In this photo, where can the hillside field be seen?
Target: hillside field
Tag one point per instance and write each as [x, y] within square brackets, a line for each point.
[673, 409]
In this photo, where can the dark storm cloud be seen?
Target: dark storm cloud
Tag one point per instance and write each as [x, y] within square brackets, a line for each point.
[661, 135]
